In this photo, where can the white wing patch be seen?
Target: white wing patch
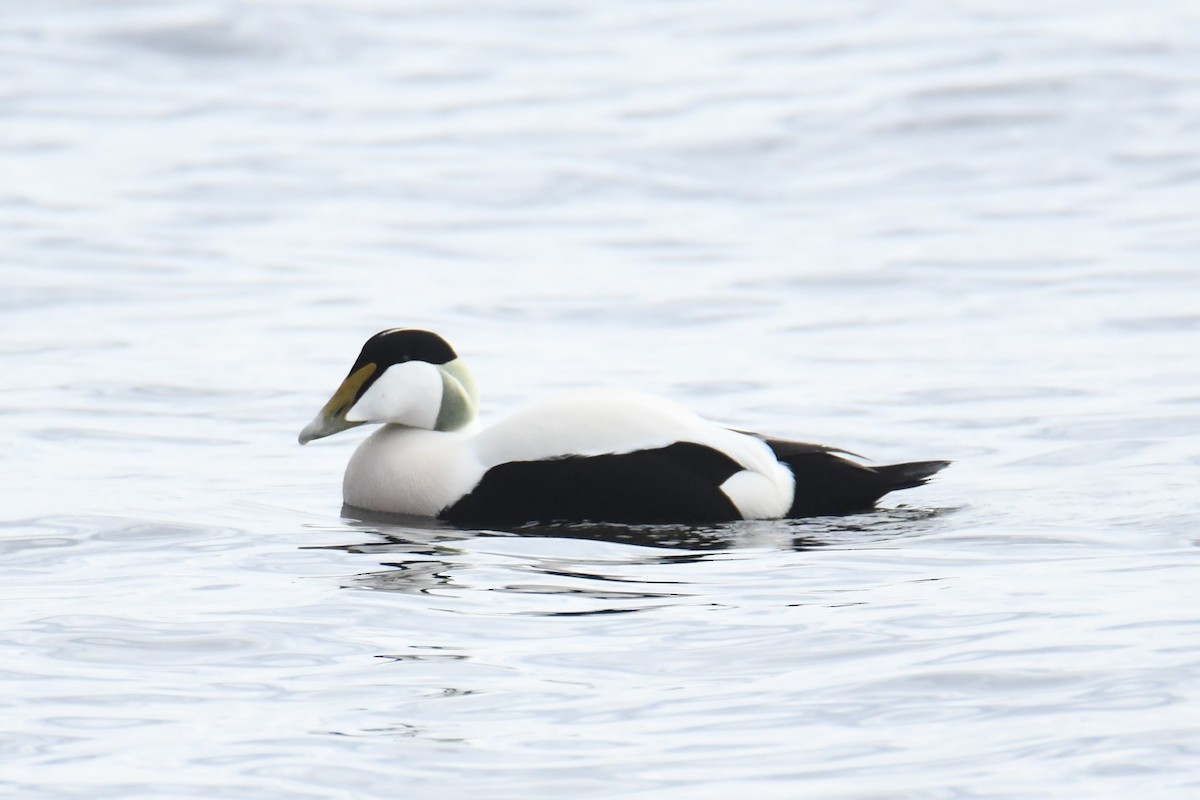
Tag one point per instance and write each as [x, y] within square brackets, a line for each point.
[758, 496]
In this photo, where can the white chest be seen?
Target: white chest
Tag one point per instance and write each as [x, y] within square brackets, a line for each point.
[410, 471]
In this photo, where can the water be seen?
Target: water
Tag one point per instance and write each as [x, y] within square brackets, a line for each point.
[909, 230]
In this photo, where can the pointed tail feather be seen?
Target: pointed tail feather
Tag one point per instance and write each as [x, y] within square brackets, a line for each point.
[914, 473]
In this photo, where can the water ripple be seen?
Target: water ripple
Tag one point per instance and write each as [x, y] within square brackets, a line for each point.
[915, 232]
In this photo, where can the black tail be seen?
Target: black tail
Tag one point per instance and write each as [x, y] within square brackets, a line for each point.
[914, 473]
[827, 483]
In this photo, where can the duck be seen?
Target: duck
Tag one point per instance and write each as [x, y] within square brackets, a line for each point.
[596, 456]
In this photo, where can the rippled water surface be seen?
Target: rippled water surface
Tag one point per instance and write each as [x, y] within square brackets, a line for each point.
[915, 230]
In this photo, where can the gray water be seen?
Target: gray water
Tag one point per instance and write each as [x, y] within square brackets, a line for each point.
[914, 230]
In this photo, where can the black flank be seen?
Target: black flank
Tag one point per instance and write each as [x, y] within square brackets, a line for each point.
[679, 483]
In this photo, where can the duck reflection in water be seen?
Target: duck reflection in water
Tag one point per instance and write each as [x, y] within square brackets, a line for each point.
[427, 555]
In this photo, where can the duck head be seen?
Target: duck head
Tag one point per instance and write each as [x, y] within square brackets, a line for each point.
[403, 376]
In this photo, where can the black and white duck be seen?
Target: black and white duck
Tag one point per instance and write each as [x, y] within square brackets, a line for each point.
[597, 456]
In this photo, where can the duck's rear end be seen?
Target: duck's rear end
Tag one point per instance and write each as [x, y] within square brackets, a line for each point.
[828, 483]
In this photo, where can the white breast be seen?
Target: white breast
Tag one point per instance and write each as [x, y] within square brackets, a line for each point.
[410, 471]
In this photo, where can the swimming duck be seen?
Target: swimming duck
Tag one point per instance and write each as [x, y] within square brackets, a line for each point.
[599, 456]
